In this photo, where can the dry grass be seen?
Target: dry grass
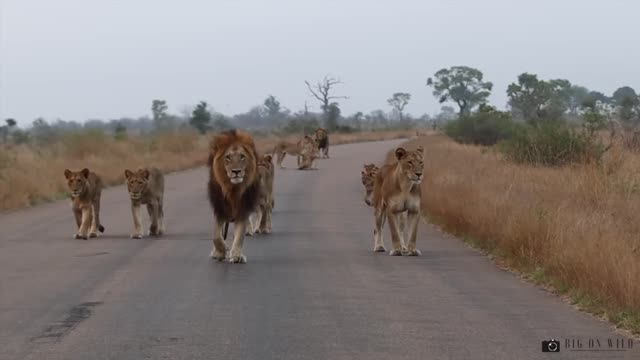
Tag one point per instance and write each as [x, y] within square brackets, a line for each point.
[30, 175]
[574, 228]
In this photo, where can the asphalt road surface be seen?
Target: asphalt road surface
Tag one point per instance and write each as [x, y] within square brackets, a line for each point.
[312, 289]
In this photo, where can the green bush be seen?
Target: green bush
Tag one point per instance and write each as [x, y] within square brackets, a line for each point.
[487, 127]
[552, 144]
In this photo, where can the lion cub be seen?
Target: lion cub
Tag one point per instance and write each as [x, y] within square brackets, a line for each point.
[260, 221]
[146, 186]
[397, 189]
[86, 188]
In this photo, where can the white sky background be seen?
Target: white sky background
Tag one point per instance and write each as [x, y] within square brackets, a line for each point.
[81, 59]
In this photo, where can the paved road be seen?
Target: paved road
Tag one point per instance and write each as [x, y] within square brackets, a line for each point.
[313, 289]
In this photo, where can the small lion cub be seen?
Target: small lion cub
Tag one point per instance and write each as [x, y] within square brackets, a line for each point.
[146, 187]
[85, 187]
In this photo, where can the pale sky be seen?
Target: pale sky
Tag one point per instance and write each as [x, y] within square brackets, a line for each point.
[81, 59]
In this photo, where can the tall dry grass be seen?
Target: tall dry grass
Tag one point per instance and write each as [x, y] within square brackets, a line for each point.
[575, 228]
[33, 174]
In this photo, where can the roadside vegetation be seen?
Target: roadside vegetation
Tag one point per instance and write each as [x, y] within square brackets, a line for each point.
[550, 188]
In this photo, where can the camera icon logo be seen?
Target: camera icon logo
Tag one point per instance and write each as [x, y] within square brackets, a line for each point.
[552, 345]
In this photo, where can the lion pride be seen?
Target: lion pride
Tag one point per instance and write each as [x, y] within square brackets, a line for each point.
[234, 189]
[397, 190]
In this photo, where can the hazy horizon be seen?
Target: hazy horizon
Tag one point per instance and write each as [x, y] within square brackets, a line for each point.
[80, 60]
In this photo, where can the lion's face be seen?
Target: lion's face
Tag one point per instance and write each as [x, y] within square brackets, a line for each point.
[411, 163]
[321, 133]
[236, 160]
[77, 181]
[137, 182]
[265, 163]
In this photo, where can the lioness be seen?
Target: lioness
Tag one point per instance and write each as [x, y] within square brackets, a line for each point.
[234, 189]
[322, 139]
[396, 190]
[146, 187]
[86, 188]
[305, 145]
[262, 221]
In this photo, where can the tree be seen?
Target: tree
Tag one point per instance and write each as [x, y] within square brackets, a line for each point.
[577, 97]
[220, 123]
[159, 111]
[120, 131]
[627, 102]
[398, 101]
[272, 106]
[201, 117]
[529, 96]
[462, 85]
[321, 91]
[332, 117]
[6, 128]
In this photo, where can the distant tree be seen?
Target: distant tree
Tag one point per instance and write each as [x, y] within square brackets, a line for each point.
[462, 85]
[201, 117]
[5, 129]
[627, 102]
[529, 96]
[322, 91]
[120, 131]
[398, 101]
[332, 117]
[272, 106]
[220, 123]
[159, 112]
[592, 98]
[577, 97]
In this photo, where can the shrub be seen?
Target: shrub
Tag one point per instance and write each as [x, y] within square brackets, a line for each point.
[487, 127]
[552, 144]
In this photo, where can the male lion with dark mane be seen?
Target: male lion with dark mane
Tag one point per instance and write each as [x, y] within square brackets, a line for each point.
[234, 189]
[397, 190]
[86, 188]
[322, 139]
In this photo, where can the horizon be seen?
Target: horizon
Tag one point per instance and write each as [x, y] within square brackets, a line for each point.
[77, 61]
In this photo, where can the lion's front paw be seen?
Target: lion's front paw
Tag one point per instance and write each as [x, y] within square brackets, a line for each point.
[218, 255]
[248, 233]
[136, 236]
[379, 248]
[93, 235]
[238, 259]
[396, 252]
[413, 252]
[80, 237]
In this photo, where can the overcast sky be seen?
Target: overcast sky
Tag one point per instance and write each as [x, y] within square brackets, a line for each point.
[80, 59]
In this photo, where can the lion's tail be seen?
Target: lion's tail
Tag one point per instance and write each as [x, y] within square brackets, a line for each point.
[101, 228]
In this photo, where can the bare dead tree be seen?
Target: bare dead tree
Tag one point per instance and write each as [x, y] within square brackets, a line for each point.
[321, 91]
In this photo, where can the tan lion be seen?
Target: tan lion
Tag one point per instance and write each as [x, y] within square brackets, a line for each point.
[396, 190]
[234, 190]
[261, 220]
[303, 146]
[146, 187]
[322, 139]
[368, 176]
[86, 188]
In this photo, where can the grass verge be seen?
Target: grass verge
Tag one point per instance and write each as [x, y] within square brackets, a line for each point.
[572, 229]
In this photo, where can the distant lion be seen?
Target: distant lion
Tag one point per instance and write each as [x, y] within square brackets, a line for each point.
[396, 190]
[86, 189]
[282, 148]
[322, 138]
[234, 189]
[146, 187]
[262, 222]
